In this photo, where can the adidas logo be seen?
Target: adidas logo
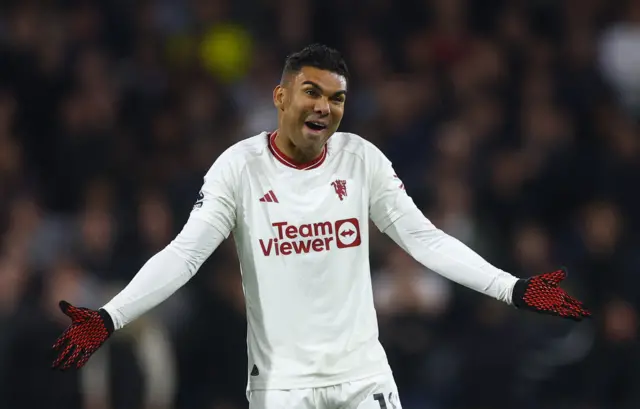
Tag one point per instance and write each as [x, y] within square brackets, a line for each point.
[269, 197]
[255, 371]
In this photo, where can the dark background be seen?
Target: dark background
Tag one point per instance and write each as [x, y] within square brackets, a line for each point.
[513, 124]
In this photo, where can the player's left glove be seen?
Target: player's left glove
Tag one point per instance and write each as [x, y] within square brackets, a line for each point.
[542, 294]
[89, 329]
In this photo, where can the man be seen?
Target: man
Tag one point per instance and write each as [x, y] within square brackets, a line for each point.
[297, 201]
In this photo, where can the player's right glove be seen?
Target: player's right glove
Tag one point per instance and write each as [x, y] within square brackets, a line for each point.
[542, 294]
[89, 329]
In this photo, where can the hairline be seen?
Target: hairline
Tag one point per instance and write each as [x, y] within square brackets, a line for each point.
[291, 73]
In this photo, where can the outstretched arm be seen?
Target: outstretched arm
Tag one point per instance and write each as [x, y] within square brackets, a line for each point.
[395, 214]
[449, 257]
[156, 281]
[452, 259]
[212, 220]
[165, 272]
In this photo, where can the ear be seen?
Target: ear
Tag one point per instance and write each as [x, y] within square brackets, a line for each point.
[279, 97]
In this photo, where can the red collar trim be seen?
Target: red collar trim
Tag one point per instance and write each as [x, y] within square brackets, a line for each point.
[284, 159]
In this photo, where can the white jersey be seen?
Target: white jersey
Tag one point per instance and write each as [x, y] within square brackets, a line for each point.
[302, 236]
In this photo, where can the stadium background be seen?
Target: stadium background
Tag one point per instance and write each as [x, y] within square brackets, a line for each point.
[513, 124]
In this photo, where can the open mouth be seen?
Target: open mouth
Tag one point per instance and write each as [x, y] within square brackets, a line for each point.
[315, 126]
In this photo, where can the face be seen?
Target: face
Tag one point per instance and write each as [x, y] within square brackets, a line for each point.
[311, 106]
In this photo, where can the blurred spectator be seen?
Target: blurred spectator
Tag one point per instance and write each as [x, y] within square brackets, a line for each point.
[412, 303]
[619, 57]
[135, 370]
[27, 379]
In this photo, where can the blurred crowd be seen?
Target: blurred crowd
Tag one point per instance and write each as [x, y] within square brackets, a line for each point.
[514, 124]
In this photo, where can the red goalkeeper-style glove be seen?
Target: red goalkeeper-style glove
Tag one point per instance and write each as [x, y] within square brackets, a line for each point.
[89, 329]
[542, 294]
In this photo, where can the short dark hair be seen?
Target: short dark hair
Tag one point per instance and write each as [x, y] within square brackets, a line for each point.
[318, 56]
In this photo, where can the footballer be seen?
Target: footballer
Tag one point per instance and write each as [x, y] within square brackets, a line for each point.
[298, 200]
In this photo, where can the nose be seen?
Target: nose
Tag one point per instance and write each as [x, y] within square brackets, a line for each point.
[322, 106]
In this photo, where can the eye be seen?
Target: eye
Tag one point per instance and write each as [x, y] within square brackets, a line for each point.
[312, 92]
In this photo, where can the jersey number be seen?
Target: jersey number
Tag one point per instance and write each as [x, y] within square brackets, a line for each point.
[380, 398]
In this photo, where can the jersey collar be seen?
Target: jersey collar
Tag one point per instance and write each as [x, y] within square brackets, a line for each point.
[284, 159]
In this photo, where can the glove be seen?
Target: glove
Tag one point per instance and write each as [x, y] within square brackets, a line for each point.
[89, 329]
[542, 294]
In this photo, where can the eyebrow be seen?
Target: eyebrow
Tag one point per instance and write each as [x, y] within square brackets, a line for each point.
[313, 84]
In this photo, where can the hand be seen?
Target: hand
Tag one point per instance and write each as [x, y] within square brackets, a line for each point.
[542, 294]
[89, 329]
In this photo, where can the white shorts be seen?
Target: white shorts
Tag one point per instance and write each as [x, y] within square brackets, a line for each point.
[378, 392]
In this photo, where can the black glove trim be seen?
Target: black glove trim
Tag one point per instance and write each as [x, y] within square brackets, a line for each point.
[108, 321]
[517, 296]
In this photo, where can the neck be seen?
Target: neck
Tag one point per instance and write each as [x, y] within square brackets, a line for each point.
[284, 144]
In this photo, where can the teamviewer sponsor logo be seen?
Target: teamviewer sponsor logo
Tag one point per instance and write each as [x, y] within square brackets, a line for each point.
[312, 237]
[347, 233]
